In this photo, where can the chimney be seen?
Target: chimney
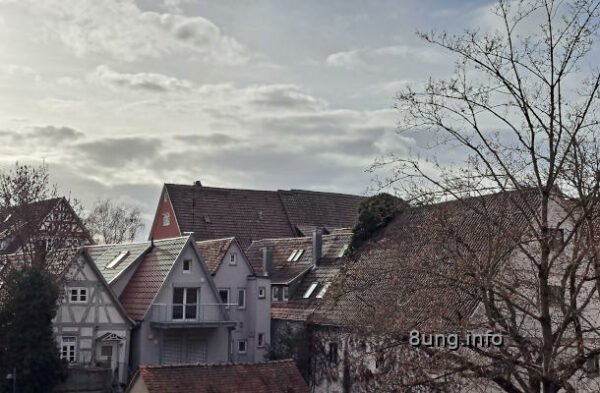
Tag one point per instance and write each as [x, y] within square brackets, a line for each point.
[267, 260]
[317, 245]
[198, 183]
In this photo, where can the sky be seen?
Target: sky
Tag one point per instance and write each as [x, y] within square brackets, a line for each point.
[121, 96]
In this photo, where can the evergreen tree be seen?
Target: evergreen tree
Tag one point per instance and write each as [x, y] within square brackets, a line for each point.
[30, 301]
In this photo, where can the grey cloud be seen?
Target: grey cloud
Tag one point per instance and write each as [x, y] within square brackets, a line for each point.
[216, 139]
[140, 81]
[56, 134]
[117, 152]
[285, 96]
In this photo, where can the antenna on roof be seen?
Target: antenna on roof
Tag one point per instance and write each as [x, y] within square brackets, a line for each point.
[198, 183]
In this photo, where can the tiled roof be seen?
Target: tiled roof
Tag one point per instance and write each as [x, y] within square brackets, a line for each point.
[279, 376]
[150, 275]
[327, 270]
[248, 215]
[407, 271]
[284, 270]
[103, 255]
[212, 252]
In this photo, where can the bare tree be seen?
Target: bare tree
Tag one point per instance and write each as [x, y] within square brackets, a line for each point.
[114, 223]
[515, 252]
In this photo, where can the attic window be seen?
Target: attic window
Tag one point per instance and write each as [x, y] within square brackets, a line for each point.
[233, 258]
[166, 219]
[323, 290]
[165, 198]
[292, 255]
[117, 260]
[207, 219]
[298, 255]
[310, 290]
[187, 265]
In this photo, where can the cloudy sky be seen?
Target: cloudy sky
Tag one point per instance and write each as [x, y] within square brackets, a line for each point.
[120, 96]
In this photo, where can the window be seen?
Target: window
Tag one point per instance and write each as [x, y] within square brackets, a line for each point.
[556, 294]
[275, 294]
[187, 265]
[285, 293]
[342, 251]
[78, 295]
[557, 237]
[233, 258]
[592, 366]
[224, 294]
[117, 260]
[241, 298]
[166, 219]
[260, 341]
[310, 290]
[242, 346]
[185, 303]
[333, 353]
[106, 351]
[292, 255]
[67, 348]
[261, 292]
[298, 255]
[323, 290]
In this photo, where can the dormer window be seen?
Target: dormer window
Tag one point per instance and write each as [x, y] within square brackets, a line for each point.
[310, 290]
[233, 258]
[295, 255]
[187, 266]
[323, 290]
[285, 294]
[117, 260]
[275, 294]
[166, 219]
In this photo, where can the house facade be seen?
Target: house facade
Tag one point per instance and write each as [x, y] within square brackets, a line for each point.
[245, 294]
[175, 303]
[49, 224]
[91, 327]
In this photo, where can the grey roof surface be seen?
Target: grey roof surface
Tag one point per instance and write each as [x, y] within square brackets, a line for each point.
[102, 255]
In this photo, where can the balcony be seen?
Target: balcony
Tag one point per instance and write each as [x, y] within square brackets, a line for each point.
[171, 316]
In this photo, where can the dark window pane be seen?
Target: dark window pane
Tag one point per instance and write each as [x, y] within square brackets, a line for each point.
[241, 298]
[224, 296]
[190, 312]
[178, 296]
[191, 296]
[177, 312]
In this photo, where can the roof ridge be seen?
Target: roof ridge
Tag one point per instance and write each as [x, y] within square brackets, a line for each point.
[203, 187]
[215, 365]
[221, 239]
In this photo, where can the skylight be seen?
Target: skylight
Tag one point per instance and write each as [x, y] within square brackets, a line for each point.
[310, 290]
[7, 217]
[298, 255]
[342, 251]
[118, 259]
[323, 290]
[292, 255]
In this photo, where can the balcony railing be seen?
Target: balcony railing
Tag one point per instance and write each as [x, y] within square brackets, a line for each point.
[188, 314]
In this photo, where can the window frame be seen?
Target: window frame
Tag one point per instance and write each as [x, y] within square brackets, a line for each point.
[166, 219]
[233, 259]
[243, 306]
[275, 293]
[189, 269]
[260, 340]
[285, 293]
[70, 346]
[245, 342]
[310, 289]
[185, 304]
[79, 295]
[323, 290]
[228, 296]
[262, 290]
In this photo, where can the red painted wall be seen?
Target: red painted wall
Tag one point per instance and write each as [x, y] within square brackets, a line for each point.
[158, 230]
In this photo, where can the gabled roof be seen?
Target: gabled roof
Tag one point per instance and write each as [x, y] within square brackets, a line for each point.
[280, 376]
[213, 252]
[406, 269]
[285, 271]
[103, 255]
[150, 275]
[33, 214]
[248, 215]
